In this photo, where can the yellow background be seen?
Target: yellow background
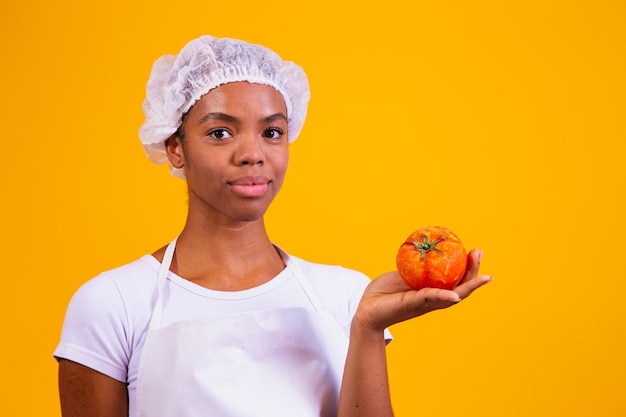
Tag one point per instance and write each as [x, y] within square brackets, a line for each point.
[501, 120]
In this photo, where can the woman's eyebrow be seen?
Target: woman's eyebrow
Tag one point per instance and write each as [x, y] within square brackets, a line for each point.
[218, 116]
[275, 116]
[232, 119]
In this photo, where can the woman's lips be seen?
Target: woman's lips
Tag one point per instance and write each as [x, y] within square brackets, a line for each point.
[250, 186]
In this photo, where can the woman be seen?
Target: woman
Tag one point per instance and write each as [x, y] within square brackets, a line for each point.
[221, 322]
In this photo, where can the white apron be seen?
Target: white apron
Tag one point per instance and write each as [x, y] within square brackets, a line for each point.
[278, 363]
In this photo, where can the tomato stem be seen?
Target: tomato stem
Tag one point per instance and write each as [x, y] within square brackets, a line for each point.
[426, 245]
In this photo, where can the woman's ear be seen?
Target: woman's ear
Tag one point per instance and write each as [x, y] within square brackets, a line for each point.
[174, 151]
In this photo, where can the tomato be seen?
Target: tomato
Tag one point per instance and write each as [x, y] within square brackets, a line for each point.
[432, 257]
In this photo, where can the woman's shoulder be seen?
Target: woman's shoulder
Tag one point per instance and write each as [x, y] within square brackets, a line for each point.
[119, 298]
[338, 287]
[334, 282]
[107, 316]
[328, 272]
[119, 285]
[142, 270]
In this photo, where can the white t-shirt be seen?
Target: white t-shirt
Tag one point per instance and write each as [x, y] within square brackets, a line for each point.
[108, 317]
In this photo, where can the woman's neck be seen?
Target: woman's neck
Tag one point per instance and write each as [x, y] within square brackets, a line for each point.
[226, 257]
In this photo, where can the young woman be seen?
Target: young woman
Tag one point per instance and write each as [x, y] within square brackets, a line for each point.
[221, 322]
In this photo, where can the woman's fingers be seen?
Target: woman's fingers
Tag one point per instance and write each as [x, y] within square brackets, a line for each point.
[438, 295]
[429, 299]
[472, 281]
[473, 264]
[467, 288]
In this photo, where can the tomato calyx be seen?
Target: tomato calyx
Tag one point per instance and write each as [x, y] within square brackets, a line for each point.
[426, 245]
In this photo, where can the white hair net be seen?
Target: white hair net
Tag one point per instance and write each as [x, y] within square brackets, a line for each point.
[178, 81]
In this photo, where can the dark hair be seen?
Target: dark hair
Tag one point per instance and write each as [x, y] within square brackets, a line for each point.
[180, 132]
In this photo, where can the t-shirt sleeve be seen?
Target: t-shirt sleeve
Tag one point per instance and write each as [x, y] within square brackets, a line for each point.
[95, 328]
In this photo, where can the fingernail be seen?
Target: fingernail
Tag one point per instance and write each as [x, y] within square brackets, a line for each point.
[480, 255]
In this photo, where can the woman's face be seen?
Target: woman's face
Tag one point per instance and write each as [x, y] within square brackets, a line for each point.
[234, 151]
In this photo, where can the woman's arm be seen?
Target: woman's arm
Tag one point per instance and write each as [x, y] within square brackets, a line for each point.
[387, 301]
[85, 392]
[365, 387]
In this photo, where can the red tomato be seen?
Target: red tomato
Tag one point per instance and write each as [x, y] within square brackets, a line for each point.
[432, 257]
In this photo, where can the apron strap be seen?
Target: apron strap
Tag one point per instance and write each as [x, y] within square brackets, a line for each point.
[164, 269]
[310, 292]
[317, 303]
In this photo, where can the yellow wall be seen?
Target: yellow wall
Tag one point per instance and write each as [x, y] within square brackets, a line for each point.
[501, 120]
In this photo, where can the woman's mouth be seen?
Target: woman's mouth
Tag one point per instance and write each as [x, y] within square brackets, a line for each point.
[250, 186]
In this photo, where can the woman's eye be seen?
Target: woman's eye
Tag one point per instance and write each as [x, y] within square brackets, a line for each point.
[273, 133]
[219, 134]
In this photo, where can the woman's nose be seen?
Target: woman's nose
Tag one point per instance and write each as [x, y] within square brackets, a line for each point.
[249, 150]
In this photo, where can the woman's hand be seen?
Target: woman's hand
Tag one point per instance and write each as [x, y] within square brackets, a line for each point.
[389, 300]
